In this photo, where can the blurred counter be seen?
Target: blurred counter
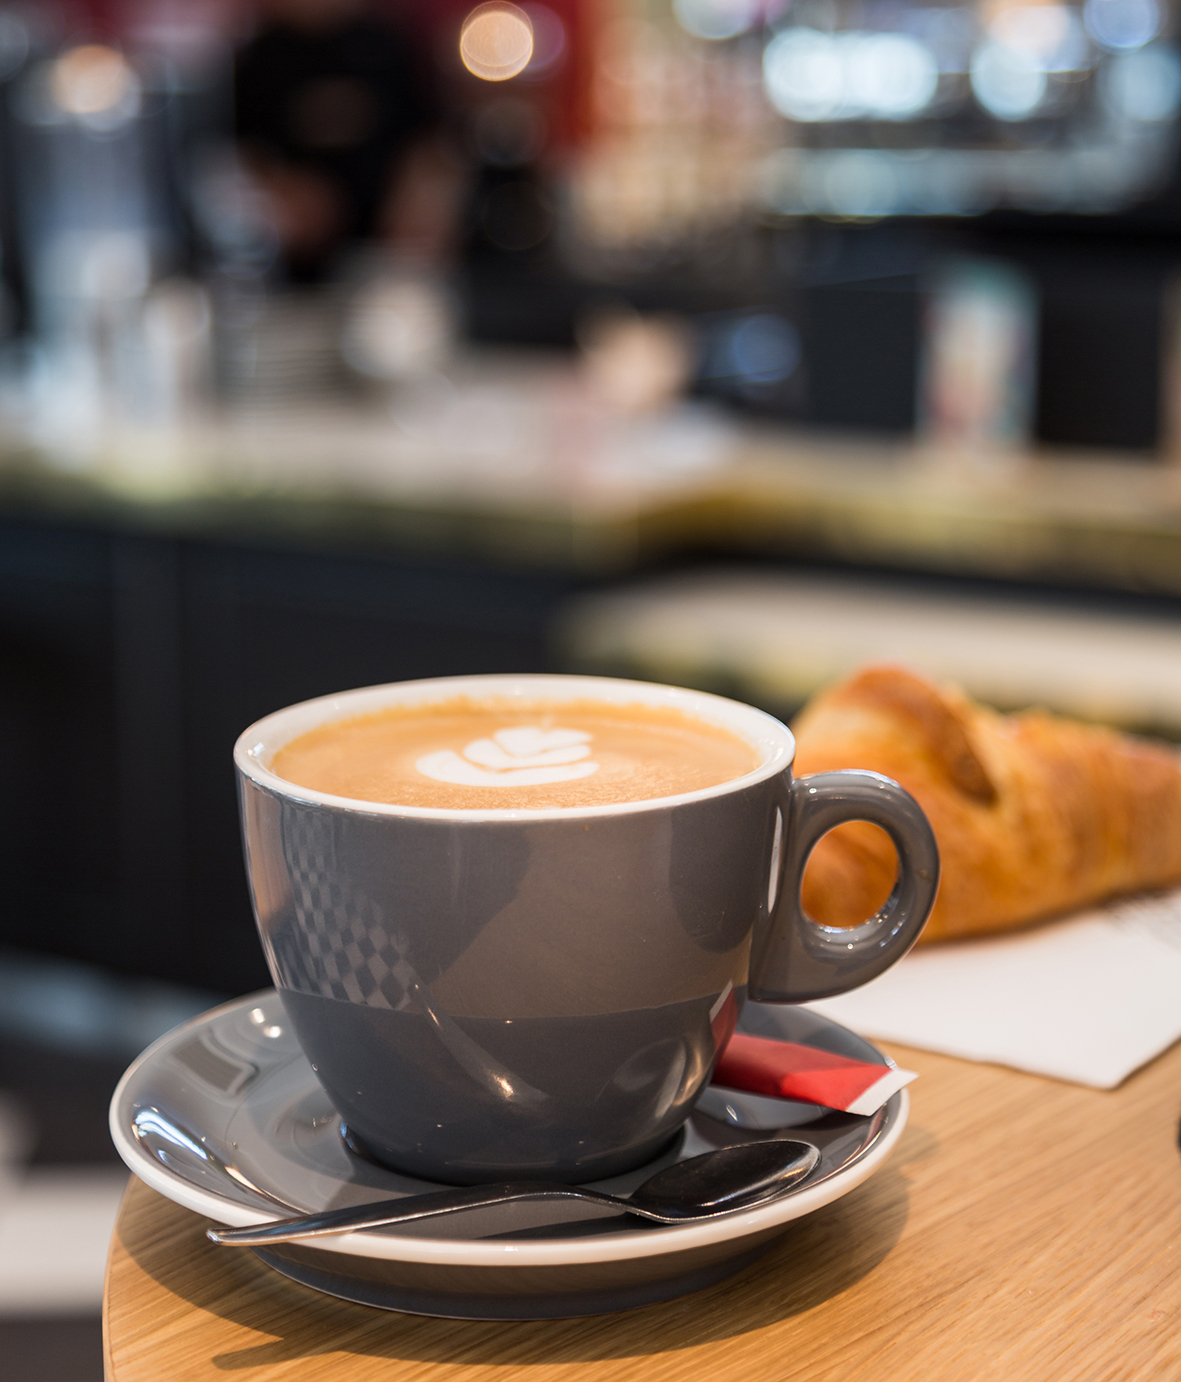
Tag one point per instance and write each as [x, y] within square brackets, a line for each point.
[501, 459]
[523, 472]
[1093, 519]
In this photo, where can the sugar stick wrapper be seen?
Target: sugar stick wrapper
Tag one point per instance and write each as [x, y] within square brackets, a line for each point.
[787, 1070]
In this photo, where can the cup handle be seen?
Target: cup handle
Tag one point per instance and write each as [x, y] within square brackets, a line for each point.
[796, 959]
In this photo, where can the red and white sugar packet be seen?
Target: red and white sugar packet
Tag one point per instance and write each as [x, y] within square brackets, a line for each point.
[787, 1070]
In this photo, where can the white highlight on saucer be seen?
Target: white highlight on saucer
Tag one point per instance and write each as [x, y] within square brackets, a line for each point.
[523, 756]
[882, 1090]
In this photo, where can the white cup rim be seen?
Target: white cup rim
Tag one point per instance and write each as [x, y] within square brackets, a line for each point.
[257, 745]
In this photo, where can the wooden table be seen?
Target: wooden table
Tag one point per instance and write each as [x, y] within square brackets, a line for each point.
[1023, 1229]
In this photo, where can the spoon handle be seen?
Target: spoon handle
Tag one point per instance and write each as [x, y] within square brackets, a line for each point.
[382, 1212]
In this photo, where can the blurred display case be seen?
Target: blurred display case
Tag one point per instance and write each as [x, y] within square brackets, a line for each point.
[851, 108]
[868, 143]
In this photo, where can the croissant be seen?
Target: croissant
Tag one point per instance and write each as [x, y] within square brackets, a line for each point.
[1034, 814]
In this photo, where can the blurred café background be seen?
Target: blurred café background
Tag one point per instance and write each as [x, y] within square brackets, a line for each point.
[726, 342]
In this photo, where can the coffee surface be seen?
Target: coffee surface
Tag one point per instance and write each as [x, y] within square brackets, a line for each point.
[465, 754]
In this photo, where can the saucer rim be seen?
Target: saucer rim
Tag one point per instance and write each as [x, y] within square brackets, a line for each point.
[492, 1253]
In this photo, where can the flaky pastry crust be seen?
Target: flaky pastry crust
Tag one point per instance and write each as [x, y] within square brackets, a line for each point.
[1034, 814]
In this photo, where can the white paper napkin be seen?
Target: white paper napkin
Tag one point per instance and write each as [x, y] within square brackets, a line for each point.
[1087, 999]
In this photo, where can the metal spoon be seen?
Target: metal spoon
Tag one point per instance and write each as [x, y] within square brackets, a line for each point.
[718, 1182]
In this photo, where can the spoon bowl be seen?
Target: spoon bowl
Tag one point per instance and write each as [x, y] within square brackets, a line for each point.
[723, 1181]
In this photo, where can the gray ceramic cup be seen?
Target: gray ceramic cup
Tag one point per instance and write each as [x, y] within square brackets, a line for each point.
[503, 994]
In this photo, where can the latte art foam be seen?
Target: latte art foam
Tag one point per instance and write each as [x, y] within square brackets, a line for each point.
[525, 756]
[464, 754]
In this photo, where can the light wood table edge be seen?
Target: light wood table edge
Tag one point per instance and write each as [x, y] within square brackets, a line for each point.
[1024, 1231]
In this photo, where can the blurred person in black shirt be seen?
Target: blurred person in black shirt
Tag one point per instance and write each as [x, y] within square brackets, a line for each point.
[336, 118]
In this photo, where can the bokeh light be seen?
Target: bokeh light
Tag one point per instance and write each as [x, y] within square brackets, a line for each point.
[1122, 25]
[761, 349]
[810, 75]
[1010, 83]
[95, 84]
[803, 74]
[717, 19]
[496, 41]
[891, 76]
[549, 41]
[1051, 34]
[1145, 85]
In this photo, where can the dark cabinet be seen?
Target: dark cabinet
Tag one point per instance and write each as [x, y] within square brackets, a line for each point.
[129, 663]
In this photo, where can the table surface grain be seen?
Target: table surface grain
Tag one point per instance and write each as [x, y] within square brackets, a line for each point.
[1024, 1229]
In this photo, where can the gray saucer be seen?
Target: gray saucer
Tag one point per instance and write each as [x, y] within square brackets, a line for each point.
[224, 1116]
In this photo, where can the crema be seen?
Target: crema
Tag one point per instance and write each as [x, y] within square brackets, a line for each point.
[464, 754]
